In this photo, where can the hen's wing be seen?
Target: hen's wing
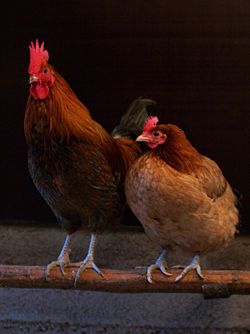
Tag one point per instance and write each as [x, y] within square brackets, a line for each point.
[156, 189]
[210, 177]
[175, 209]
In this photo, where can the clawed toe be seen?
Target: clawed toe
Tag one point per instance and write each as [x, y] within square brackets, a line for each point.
[62, 260]
[198, 272]
[87, 263]
[54, 264]
[152, 268]
[149, 273]
[164, 271]
[194, 265]
[159, 264]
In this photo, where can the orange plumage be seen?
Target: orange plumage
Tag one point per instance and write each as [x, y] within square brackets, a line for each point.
[180, 196]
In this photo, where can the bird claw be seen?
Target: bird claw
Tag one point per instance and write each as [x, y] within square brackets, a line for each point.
[54, 264]
[154, 266]
[96, 269]
[164, 271]
[61, 262]
[86, 264]
[198, 272]
[149, 273]
[194, 265]
[49, 267]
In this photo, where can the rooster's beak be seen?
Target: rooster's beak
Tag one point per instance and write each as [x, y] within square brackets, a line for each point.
[142, 138]
[33, 78]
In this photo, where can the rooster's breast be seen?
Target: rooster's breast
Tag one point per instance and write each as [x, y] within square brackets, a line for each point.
[77, 183]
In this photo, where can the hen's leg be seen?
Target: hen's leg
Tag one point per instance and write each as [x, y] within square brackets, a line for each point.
[194, 265]
[161, 264]
[88, 262]
[63, 259]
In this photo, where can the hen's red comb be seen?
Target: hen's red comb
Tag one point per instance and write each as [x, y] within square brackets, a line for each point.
[150, 123]
[37, 56]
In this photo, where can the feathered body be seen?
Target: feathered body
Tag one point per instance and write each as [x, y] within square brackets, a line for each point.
[76, 165]
[180, 196]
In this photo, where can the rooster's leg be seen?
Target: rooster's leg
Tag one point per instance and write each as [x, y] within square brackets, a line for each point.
[194, 265]
[63, 259]
[88, 262]
[161, 264]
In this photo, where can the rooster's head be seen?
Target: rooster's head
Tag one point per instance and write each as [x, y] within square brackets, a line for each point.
[40, 72]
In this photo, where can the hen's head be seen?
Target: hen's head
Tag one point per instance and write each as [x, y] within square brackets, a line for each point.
[152, 135]
[40, 72]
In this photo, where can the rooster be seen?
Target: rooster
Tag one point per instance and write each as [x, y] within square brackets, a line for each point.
[77, 166]
[180, 196]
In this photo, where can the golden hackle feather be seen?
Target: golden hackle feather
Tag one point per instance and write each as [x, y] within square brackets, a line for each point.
[62, 117]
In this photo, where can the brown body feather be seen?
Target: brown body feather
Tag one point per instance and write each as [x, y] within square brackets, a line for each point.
[181, 197]
[76, 165]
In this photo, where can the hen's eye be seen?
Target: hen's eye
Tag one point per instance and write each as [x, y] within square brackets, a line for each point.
[156, 133]
[45, 70]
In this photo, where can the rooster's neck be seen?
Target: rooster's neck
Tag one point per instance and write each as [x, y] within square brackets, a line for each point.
[61, 115]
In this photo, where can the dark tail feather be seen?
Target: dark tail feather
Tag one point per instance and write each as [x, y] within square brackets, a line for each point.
[239, 205]
[133, 121]
[239, 198]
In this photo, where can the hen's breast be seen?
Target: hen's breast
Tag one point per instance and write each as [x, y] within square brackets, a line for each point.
[174, 208]
[77, 183]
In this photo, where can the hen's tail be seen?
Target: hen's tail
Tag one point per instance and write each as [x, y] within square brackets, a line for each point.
[133, 121]
[239, 205]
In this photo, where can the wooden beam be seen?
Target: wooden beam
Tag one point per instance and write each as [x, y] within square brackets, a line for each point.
[217, 283]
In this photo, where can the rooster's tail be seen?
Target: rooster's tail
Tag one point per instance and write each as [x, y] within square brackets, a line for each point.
[133, 121]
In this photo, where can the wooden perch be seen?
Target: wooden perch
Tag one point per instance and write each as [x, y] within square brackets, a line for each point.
[217, 283]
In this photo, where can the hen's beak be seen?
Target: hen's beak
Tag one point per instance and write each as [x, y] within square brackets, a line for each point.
[142, 138]
[33, 78]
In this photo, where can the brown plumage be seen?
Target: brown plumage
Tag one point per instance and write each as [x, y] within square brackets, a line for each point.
[180, 196]
[76, 165]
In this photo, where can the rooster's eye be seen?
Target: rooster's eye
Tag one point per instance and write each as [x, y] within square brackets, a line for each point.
[156, 133]
[45, 70]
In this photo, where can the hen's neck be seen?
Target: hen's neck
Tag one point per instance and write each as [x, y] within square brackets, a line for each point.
[179, 154]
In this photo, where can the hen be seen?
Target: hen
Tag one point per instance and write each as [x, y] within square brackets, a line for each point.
[76, 165]
[180, 196]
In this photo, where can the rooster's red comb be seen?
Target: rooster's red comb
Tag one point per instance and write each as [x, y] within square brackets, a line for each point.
[37, 56]
[150, 123]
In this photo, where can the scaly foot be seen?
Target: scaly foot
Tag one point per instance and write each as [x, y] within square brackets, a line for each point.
[161, 264]
[88, 262]
[194, 265]
[62, 262]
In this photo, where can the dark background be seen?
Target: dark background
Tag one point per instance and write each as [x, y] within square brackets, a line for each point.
[192, 57]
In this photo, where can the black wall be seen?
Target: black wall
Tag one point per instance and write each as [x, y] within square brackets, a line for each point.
[192, 57]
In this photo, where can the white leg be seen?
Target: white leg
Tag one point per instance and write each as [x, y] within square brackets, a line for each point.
[63, 259]
[161, 264]
[194, 265]
[88, 262]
